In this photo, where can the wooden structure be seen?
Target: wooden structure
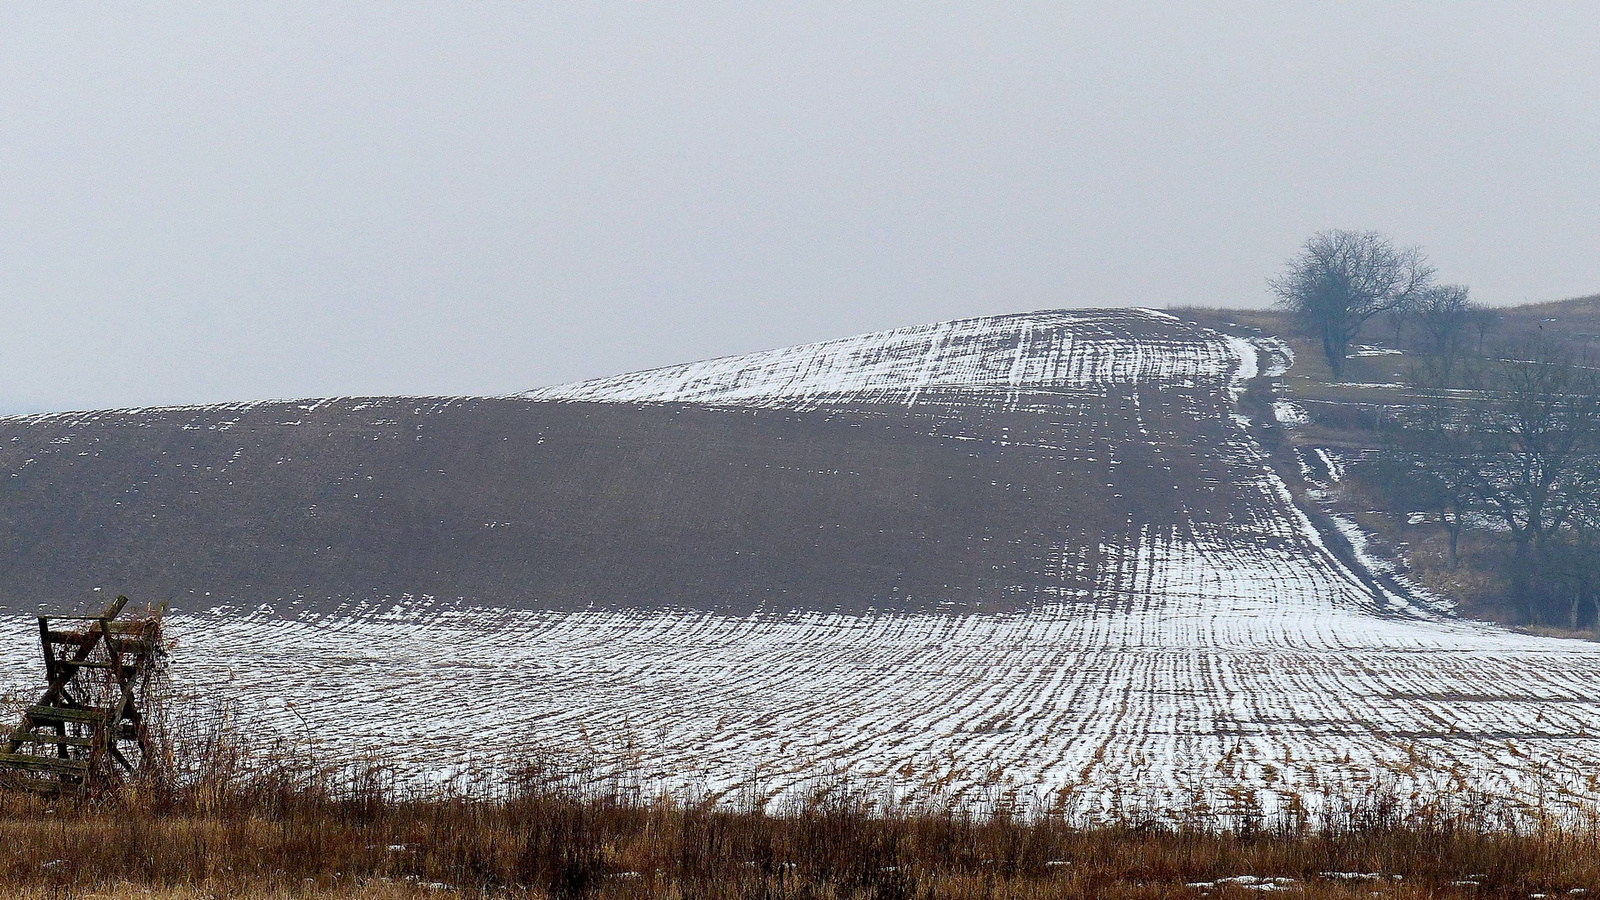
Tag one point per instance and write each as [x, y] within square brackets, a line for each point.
[87, 729]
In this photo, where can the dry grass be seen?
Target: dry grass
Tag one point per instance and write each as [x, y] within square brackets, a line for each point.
[551, 829]
[227, 808]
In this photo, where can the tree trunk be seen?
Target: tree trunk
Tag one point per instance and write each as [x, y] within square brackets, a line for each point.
[1333, 349]
[1521, 588]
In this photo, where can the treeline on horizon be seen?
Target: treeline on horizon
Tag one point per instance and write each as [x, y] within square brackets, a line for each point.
[1498, 442]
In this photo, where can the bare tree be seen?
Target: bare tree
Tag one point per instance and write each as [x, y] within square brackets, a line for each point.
[1431, 472]
[1517, 456]
[1443, 313]
[1539, 472]
[1340, 279]
[1432, 461]
[1398, 317]
[1484, 320]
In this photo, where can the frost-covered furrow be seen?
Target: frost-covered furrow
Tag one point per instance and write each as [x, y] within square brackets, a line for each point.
[1071, 349]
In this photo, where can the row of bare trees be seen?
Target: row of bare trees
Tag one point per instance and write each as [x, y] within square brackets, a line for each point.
[1510, 446]
[1504, 441]
[1341, 281]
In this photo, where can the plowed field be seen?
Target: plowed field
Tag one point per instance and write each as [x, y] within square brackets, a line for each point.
[1038, 554]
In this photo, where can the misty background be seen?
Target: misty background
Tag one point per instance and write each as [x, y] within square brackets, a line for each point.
[203, 203]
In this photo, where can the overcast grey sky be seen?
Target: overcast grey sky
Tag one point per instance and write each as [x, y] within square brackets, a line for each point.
[212, 202]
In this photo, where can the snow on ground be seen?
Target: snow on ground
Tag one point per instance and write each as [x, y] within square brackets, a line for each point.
[1289, 414]
[1195, 678]
[1206, 659]
[1071, 349]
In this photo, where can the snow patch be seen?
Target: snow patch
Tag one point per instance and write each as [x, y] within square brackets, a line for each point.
[1289, 414]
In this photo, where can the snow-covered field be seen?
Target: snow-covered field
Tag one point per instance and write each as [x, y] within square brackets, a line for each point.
[1051, 350]
[1207, 658]
[1200, 680]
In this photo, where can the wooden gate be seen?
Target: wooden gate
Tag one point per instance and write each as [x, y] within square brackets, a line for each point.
[87, 729]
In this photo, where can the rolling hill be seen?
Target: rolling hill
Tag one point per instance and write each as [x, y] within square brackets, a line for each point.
[1041, 552]
[980, 465]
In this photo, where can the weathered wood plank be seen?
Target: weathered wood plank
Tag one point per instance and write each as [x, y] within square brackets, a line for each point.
[46, 785]
[86, 663]
[45, 737]
[61, 714]
[45, 763]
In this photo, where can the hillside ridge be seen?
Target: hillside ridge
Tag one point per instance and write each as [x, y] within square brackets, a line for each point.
[1088, 592]
[945, 466]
